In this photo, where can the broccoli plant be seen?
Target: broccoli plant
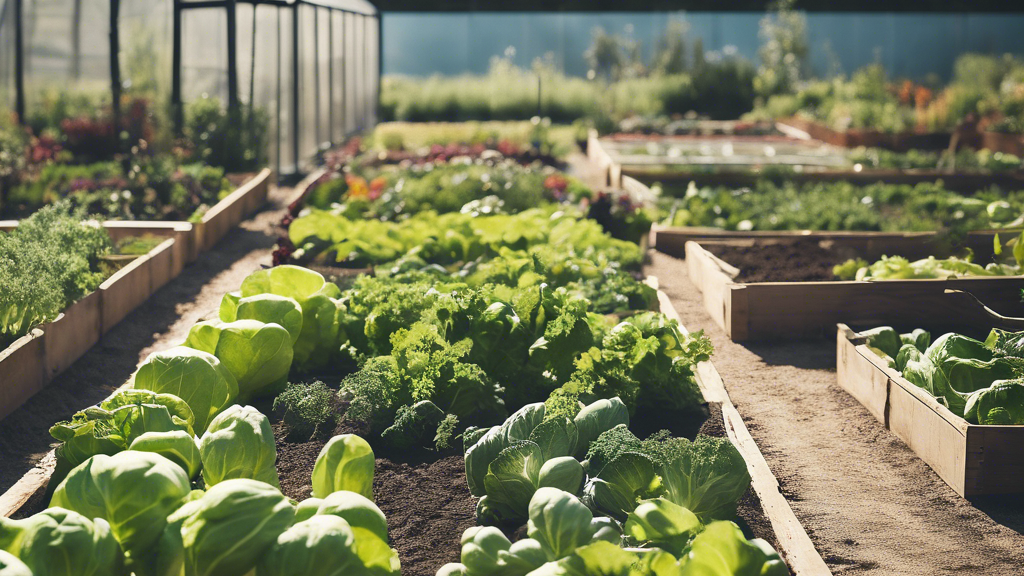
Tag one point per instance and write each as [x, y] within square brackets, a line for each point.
[309, 409]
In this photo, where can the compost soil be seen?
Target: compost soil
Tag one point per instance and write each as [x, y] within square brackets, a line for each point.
[783, 262]
[869, 504]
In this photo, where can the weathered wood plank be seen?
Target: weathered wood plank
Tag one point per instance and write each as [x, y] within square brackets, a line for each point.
[795, 545]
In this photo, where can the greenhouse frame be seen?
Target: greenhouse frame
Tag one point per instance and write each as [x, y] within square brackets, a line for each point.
[311, 67]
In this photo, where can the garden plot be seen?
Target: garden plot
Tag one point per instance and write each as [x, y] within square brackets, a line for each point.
[741, 160]
[974, 459]
[795, 300]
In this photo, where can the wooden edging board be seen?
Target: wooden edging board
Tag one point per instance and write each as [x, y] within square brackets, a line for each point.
[672, 240]
[231, 211]
[795, 545]
[800, 310]
[974, 460]
[32, 361]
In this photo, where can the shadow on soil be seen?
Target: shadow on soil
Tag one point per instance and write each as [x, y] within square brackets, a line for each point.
[24, 434]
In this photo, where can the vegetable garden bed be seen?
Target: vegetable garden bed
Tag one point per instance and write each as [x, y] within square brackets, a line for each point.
[33, 360]
[428, 504]
[975, 460]
[870, 138]
[814, 164]
[794, 310]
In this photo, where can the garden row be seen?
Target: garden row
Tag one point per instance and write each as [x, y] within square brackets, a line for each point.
[516, 341]
[954, 398]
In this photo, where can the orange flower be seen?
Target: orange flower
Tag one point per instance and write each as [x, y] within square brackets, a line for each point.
[357, 187]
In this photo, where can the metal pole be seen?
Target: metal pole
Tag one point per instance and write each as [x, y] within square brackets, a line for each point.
[344, 75]
[76, 41]
[330, 75]
[380, 65]
[316, 73]
[19, 62]
[295, 85]
[278, 92]
[177, 112]
[232, 14]
[115, 63]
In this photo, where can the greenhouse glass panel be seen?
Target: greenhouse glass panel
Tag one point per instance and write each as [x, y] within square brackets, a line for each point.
[7, 76]
[309, 127]
[324, 88]
[204, 58]
[339, 82]
[286, 78]
[66, 74]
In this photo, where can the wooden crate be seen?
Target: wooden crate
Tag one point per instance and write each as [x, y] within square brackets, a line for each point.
[799, 310]
[795, 545]
[974, 460]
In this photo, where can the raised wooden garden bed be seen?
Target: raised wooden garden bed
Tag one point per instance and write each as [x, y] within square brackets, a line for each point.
[974, 460]
[32, 361]
[801, 310]
[852, 138]
[682, 171]
[672, 240]
[794, 545]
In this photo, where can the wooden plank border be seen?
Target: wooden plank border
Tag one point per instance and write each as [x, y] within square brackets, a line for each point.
[232, 210]
[799, 310]
[795, 545]
[603, 160]
[974, 460]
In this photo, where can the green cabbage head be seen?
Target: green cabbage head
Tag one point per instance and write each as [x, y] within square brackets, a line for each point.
[258, 355]
[345, 463]
[11, 566]
[239, 444]
[196, 377]
[133, 491]
[178, 446]
[369, 527]
[232, 525]
[59, 542]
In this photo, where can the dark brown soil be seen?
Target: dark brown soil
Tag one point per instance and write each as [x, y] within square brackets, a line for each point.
[788, 262]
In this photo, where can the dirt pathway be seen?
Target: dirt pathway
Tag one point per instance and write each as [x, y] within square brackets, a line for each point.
[161, 322]
[869, 504]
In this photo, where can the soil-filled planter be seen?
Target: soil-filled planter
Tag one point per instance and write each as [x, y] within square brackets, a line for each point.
[974, 460]
[1005, 143]
[31, 362]
[853, 138]
[735, 173]
[426, 499]
[231, 211]
[672, 240]
[811, 309]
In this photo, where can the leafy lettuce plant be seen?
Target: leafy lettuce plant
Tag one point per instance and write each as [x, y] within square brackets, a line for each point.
[258, 355]
[197, 377]
[346, 462]
[558, 525]
[239, 443]
[59, 542]
[507, 464]
[134, 492]
[707, 477]
[117, 423]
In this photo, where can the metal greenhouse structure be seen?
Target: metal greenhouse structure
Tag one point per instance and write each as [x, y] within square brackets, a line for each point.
[311, 67]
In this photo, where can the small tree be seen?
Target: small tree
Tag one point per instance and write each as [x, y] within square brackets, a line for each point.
[783, 33]
[604, 55]
[670, 53]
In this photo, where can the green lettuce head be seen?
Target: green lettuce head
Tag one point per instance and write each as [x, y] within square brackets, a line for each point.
[59, 542]
[178, 446]
[11, 566]
[1002, 403]
[197, 377]
[258, 355]
[345, 463]
[133, 491]
[369, 527]
[270, 309]
[232, 526]
[239, 444]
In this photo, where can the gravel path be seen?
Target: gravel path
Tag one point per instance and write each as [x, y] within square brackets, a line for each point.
[163, 321]
[869, 504]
